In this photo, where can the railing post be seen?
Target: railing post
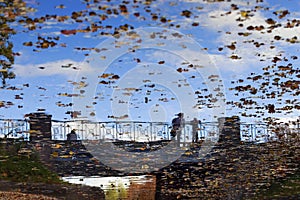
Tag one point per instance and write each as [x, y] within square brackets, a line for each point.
[167, 130]
[133, 123]
[266, 134]
[151, 130]
[184, 135]
[116, 130]
[250, 130]
[101, 130]
[65, 131]
[27, 130]
[12, 126]
[298, 125]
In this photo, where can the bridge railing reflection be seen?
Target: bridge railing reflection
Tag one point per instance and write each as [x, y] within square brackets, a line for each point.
[153, 131]
[148, 131]
[14, 129]
[131, 130]
[120, 130]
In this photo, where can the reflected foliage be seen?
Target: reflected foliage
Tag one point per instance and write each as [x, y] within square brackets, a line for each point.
[10, 11]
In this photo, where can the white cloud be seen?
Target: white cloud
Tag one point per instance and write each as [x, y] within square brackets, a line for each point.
[228, 28]
[65, 67]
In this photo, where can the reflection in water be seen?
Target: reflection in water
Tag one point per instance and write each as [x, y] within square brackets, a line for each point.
[127, 187]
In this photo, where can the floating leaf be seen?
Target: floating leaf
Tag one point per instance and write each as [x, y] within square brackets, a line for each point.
[186, 13]
[28, 44]
[68, 32]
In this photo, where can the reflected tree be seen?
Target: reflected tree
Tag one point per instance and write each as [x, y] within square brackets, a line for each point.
[10, 10]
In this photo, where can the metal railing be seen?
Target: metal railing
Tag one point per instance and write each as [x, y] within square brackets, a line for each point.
[120, 130]
[130, 130]
[153, 131]
[145, 131]
[255, 132]
[14, 128]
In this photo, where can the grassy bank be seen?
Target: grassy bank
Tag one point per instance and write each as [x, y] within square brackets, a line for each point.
[288, 187]
[20, 163]
[22, 171]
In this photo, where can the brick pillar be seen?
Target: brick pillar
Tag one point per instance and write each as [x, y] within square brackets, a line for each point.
[229, 130]
[40, 135]
[40, 127]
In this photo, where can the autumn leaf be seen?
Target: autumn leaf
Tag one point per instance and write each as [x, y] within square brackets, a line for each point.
[235, 57]
[68, 32]
[270, 21]
[231, 47]
[186, 13]
[28, 44]
[115, 77]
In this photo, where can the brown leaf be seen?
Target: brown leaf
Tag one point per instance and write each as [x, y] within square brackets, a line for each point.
[68, 32]
[28, 44]
[231, 47]
[115, 77]
[270, 21]
[186, 13]
[235, 57]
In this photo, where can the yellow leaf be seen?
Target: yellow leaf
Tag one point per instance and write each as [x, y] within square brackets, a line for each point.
[244, 14]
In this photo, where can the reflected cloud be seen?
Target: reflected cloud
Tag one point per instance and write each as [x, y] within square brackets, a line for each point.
[65, 67]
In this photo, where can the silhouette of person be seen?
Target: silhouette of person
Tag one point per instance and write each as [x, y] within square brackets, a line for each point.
[177, 126]
[72, 136]
[195, 129]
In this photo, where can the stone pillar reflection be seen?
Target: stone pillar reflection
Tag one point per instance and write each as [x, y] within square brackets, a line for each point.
[229, 130]
[40, 127]
[40, 134]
